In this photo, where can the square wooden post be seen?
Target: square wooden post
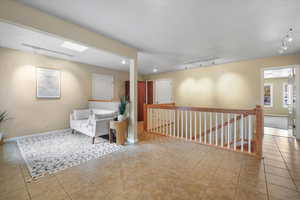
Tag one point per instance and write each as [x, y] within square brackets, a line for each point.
[146, 117]
[259, 130]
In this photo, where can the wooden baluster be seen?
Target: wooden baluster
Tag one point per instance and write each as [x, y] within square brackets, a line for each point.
[249, 133]
[204, 127]
[163, 121]
[178, 121]
[195, 126]
[234, 136]
[246, 128]
[191, 125]
[182, 123]
[159, 121]
[166, 122]
[186, 125]
[200, 127]
[242, 131]
[222, 130]
[210, 127]
[228, 131]
[173, 122]
[216, 132]
[154, 120]
[150, 119]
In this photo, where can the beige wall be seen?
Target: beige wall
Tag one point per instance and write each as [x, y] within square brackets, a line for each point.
[18, 91]
[232, 85]
[277, 108]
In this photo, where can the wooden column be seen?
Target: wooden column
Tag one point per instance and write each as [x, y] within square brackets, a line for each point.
[133, 135]
[259, 130]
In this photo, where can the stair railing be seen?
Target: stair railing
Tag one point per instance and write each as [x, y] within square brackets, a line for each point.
[233, 129]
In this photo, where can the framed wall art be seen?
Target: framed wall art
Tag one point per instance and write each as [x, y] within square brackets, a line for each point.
[47, 83]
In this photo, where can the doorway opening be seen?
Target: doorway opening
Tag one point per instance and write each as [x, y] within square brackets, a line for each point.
[279, 101]
[144, 93]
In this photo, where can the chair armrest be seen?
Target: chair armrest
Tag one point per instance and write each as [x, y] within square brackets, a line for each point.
[71, 116]
[104, 119]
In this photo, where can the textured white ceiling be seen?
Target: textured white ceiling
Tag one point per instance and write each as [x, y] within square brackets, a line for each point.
[16, 37]
[169, 33]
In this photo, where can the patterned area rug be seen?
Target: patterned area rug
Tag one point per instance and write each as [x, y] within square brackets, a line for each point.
[58, 150]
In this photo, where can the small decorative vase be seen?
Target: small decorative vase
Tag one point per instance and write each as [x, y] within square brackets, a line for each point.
[121, 117]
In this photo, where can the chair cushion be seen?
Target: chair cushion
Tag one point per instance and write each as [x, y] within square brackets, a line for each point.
[101, 114]
[81, 114]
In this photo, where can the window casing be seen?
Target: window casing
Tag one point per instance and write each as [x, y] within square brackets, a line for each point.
[163, 91]
[286, 95]
[102, 87]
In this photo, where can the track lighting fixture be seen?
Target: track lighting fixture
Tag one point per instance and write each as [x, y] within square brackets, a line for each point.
[285, 41]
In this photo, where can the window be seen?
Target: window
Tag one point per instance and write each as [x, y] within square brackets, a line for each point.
[268, 95]
[286, 95]
[102, 87]
[163, 90]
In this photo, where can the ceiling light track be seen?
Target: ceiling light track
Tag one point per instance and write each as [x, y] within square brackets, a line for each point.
[285, 41]
[200, 60]
[47, 50]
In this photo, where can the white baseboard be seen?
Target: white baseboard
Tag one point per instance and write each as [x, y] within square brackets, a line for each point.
[14, 139]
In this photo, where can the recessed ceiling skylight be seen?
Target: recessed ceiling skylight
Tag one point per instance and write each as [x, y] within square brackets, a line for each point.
[74, 46]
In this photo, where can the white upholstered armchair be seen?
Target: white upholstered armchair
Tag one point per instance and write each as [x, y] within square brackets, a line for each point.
[91, 122]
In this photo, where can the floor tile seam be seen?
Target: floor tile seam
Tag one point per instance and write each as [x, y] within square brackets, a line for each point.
[287, 167]
[266, 181]
[26, 187]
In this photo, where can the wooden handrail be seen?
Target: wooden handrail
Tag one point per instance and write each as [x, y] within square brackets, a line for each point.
[202, 109]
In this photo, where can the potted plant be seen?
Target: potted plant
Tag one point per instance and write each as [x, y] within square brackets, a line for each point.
[3, 118]
[122, 109]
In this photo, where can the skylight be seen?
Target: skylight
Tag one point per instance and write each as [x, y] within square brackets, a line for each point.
[74, 46]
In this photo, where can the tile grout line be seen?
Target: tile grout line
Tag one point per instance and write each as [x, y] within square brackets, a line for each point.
[25, 182]
[23, 175]
[267, 188]
[287, 166]
[238, 185]
[62, 187]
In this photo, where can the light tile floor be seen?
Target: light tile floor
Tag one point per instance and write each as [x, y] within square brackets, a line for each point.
[163, 168]
[278, 132]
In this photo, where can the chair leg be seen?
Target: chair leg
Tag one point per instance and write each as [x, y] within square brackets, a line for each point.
[93, 140]
[73, 131]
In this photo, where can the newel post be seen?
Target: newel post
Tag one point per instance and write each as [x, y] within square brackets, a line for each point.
[145, 116]
[259, 130]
